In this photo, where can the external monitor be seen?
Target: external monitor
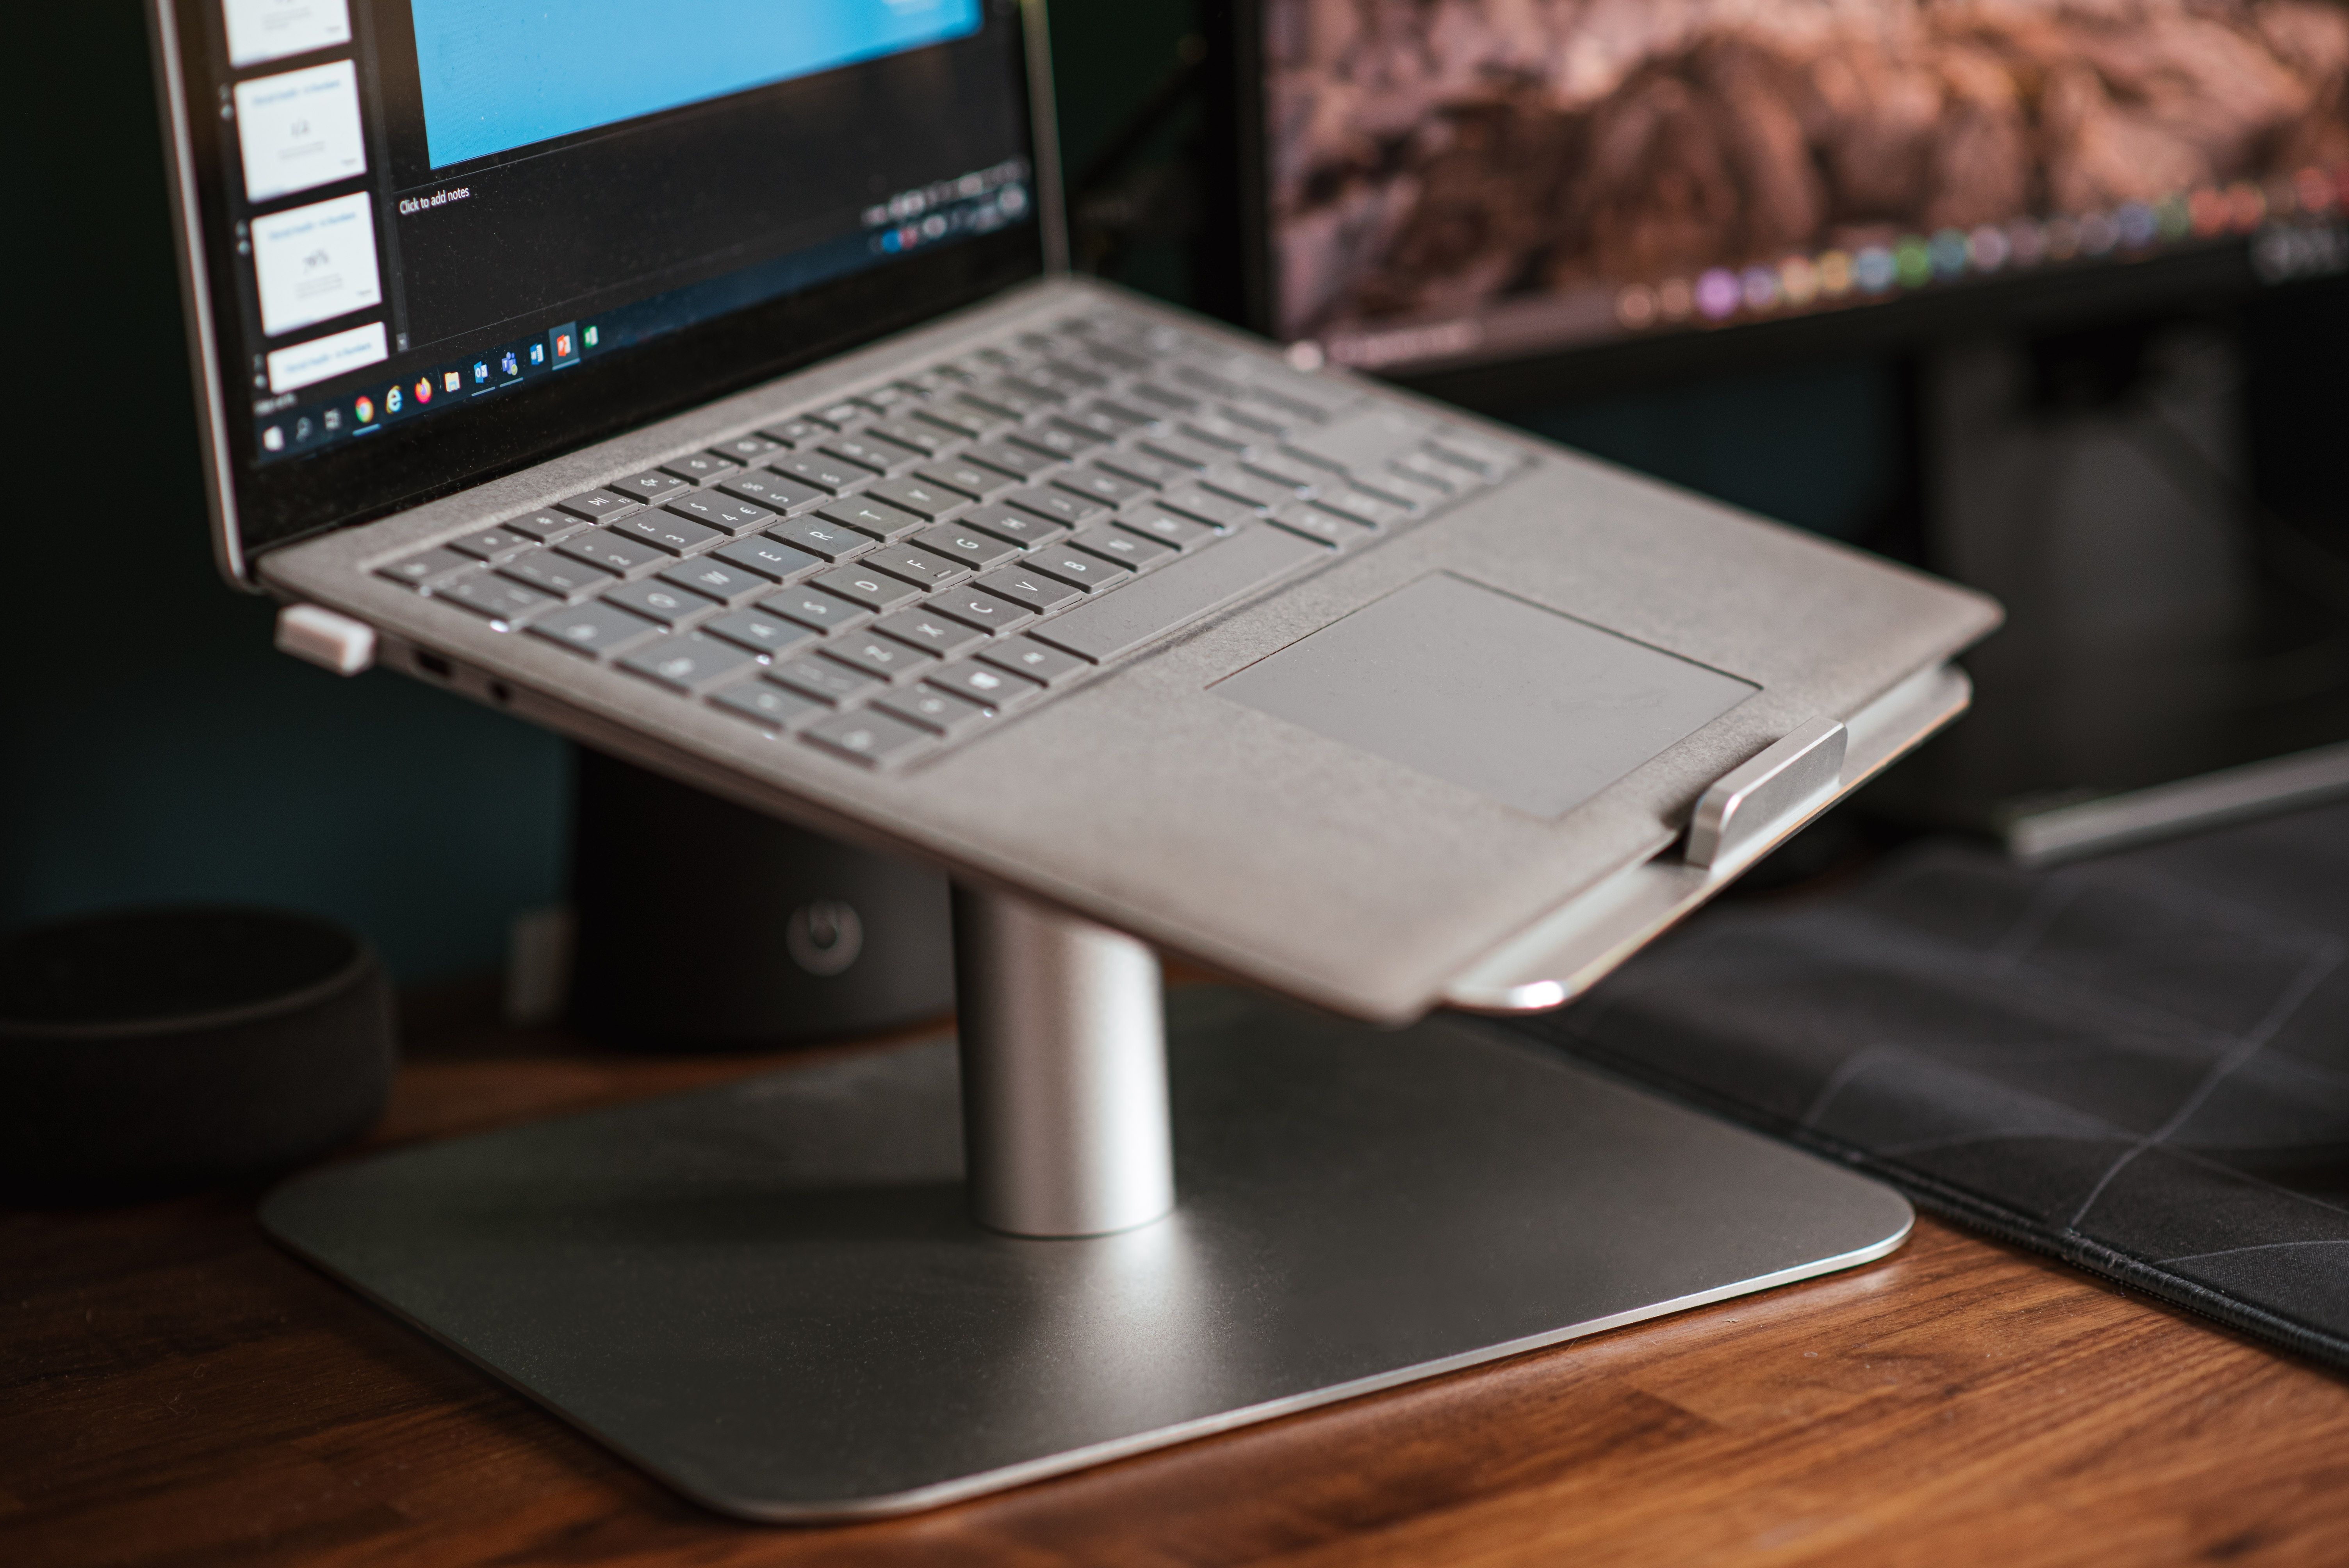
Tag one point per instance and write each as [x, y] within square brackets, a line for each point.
[1438, 190]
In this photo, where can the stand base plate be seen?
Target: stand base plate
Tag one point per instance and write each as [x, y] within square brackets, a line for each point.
[768, 1295]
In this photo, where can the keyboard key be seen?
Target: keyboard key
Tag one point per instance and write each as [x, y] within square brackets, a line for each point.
[1182, 592]
[1090, 572]
[591, 629]
[938, 712]
[1025, 462]
[1096, 423]
[700, 468]
[1121, 414]
[1116, 544]
[1303, 477]
[798, 432]
[1010, 399]
[884, 457]
[1150, 392]
[1067, 511]
[757, 629]
[1312, 522]
[824, 680]
[1435, 471]
[1168, 527]
[1246, 488]
[597, 505]
[998, 688]
[938, 635]
[916, 566]
[762, 488]
[814, 607]
[875, 518]
[843, 413]
[826, 473]
[977, 607]
[973, 548]
[687, 662]
[615, 553]
[1468, 450]
[877, 655]
[493, 544]
[556, 575]
[423, 571]
[494, 597]
[1184, 453]
[745, 448]
[1221, 510]
[662, 602]
[1032, 589]
[873, 590]
[1055, 441]
[976, 480]
[723, 513]
[961, 419]
[1096, 484]
[927, 440]
[918, 496]
[666, 530]
[1144, 469]
[727, 584]
[1037, 661]
[1346, 501]
[1021, 527]
[764, 703]
[821, 538]
[546, 526]
[650, 486]
[770, 558]
[872, 739]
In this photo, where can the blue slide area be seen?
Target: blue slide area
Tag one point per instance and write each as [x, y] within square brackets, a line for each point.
[501, 74]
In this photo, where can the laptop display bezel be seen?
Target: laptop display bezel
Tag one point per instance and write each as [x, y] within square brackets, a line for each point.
[253, 507]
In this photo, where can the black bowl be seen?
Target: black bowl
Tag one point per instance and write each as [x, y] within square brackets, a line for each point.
[150, 1051]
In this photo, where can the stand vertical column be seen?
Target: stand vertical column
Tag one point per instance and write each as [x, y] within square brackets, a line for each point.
[1063, 1039]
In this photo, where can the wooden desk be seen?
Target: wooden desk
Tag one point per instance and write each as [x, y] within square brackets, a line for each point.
[175, 1390]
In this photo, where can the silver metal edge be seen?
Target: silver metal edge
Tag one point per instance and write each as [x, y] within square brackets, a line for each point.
[195, 294]
[1044, 134]
[1572, 947]
[891, 1505]
[1716, 837]
[2086, 827]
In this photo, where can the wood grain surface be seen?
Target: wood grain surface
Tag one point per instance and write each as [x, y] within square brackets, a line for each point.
[174, 1390]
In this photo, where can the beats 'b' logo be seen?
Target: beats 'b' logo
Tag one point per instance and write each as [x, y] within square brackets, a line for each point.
[824, 937]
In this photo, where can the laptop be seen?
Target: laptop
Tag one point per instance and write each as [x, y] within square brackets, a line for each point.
[708, 382]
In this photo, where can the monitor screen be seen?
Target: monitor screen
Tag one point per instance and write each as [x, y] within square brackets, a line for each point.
[1456, 180]
[447, 236]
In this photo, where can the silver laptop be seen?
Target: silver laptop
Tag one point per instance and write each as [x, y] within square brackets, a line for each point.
[720, 396]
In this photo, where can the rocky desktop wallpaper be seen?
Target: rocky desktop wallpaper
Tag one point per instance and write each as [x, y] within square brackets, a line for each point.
[1433, 156]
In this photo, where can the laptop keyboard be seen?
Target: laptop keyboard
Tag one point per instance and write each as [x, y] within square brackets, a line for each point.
[890, 574]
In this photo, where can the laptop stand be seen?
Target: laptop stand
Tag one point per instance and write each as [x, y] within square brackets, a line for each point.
[782, 1297]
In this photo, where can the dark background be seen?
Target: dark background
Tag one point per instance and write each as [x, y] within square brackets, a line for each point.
[153, 746]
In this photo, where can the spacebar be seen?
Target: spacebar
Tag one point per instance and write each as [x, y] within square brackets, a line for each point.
[1178, 592]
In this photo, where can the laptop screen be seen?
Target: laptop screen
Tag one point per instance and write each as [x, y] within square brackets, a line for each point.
[445, 238]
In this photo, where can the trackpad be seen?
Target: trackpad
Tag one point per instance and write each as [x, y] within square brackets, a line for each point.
[1525, 706]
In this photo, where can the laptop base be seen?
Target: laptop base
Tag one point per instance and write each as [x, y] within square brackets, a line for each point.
[772, 1296]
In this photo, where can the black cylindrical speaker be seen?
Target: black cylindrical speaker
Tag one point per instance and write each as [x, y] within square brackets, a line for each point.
[702, 925]
[154, 1050]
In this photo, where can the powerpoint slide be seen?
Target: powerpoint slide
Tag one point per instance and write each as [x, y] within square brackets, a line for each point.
[313, 263]
[300, 129]
[262, 30]
[322, 358]
[597, 62]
